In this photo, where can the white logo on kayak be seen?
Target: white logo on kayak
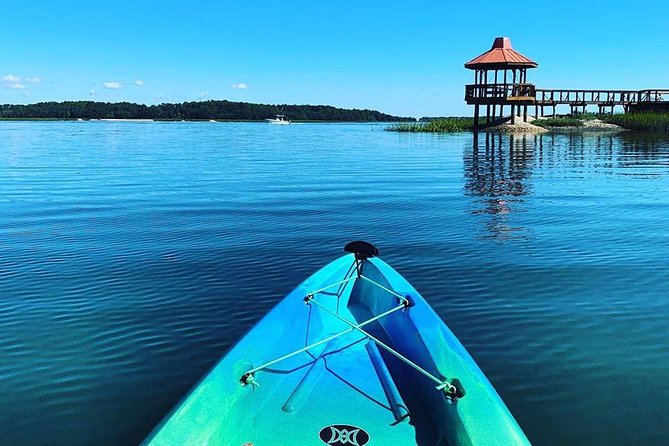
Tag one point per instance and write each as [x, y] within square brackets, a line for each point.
[343, 435]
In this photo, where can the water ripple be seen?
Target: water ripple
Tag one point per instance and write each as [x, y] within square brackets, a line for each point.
[130, 250]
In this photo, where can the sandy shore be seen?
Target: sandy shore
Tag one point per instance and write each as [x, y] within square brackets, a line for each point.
[519, 127]
[592, 125]
[122, 120]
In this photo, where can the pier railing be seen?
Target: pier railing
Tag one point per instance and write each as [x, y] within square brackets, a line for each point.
[599, 97]
[654, 95]
[528, 93]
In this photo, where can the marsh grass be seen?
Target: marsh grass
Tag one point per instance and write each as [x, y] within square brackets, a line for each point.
[641, 122]
[440, 125]
[588, 116]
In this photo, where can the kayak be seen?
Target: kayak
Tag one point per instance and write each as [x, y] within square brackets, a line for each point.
[352, 356]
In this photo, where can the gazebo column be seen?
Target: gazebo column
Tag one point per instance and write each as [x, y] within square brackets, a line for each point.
[513, 93]
[476, 117]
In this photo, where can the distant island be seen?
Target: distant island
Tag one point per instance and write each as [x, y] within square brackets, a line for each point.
[201, 110]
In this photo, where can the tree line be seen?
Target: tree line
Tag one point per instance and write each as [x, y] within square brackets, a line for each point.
[223, 110]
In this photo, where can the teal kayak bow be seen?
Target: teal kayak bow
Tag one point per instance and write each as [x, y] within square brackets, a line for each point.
[353, 356]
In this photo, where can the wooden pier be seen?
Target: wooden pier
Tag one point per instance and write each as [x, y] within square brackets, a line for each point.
[501, 80]
[603, 99]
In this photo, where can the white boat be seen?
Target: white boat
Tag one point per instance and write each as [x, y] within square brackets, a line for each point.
[279, 120]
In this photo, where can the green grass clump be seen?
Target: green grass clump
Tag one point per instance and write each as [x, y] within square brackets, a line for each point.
[642, 122]
[441, 125]
[588, 116]
[559, 122]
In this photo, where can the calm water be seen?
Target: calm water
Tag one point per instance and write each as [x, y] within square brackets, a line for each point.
[132, 255]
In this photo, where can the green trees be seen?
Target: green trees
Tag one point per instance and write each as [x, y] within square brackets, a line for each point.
[201, 110]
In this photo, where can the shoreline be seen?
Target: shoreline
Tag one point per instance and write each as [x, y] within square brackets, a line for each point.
[580, 123]
[585, 125]
[261, 121]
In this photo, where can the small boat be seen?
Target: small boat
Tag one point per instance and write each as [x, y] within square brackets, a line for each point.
[280, 120]
[352, 356]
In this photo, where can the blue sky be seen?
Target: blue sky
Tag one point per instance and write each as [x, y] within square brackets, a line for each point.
[404, 58]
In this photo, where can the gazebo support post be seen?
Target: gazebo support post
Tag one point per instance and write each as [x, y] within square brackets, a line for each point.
[476, 118]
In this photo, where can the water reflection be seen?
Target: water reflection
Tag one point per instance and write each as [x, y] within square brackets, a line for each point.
[605, 153]
[501, 171]
[497, 169]
[645, 150]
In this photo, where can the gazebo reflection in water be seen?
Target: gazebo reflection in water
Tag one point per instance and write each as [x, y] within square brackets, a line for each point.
[497, 171]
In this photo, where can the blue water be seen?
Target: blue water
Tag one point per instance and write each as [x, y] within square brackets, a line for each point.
[132, 255]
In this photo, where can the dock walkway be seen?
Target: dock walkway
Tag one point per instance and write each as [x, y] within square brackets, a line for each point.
[603, 99]
[577, 99]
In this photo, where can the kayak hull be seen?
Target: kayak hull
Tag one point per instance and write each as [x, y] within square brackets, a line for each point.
[350, 389]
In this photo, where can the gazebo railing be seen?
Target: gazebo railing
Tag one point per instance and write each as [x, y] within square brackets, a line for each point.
[478, 92]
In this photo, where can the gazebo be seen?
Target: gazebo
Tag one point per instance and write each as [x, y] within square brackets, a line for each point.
[500, 78]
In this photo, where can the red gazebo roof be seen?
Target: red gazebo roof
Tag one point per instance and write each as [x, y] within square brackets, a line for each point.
[500, 56]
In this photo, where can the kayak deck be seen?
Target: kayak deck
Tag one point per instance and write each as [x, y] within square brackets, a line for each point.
[355, 387]
[331, 391]
[342, 382]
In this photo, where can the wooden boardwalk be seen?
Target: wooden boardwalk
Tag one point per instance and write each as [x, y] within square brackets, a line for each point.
[577, 99]
[604, 99]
